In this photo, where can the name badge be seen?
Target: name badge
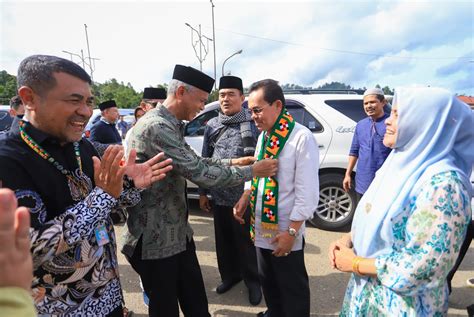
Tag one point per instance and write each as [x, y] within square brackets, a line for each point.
[101, 235]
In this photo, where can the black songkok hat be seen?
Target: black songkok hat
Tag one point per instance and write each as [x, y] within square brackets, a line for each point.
[231, 82]
[107, 104]
[193, 77]
[154, 93]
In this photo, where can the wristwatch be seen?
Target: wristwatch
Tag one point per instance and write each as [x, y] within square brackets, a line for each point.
[292, 231]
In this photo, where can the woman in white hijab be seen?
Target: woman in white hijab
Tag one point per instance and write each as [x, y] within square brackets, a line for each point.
[411, 222]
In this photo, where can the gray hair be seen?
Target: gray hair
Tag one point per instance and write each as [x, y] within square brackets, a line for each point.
[175, 84]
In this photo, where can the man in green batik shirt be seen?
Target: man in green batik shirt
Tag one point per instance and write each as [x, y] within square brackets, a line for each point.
[159, 242]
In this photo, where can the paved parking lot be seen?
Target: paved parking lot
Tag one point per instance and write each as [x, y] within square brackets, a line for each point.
[327, 285]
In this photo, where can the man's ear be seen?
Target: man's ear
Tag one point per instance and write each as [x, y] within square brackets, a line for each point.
[278, 104]
[180, 92]
[29, 98]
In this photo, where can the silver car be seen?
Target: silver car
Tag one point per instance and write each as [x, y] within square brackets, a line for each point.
[332, 119]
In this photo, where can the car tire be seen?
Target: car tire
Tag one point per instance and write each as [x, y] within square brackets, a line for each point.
[335, 207]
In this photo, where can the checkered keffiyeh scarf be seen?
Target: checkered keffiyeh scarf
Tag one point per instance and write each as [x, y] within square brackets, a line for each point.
[244, 118]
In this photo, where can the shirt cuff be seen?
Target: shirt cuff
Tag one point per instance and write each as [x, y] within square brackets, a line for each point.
[299, 215]
[226, 162]
[247, 171]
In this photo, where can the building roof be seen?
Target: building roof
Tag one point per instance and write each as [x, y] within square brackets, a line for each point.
[467, 99]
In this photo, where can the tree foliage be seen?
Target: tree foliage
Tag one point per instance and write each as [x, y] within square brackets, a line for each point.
[7, 87]
[335, 85]
[127, 97]
[213, 96]
[124, 95]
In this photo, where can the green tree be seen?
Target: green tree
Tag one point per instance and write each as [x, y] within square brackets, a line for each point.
[213, 96]
[386, 90]
[335, 85]
[124, 95]
[7, 87]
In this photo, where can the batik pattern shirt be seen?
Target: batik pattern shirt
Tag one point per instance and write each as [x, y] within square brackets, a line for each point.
[411, 280]
[161, 217]
[73, 274]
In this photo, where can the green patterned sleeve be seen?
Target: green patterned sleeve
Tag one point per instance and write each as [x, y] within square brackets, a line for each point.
[205, 172]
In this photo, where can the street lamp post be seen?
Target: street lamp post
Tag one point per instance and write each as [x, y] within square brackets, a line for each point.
[89, 52]
[214, 46]
[223, 64]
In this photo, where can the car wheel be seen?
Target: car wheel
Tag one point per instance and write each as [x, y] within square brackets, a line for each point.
[336, 207]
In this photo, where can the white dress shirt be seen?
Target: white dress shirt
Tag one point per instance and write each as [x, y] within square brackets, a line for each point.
[298, 193]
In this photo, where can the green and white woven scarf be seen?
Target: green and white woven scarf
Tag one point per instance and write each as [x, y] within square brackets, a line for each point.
[271, 147]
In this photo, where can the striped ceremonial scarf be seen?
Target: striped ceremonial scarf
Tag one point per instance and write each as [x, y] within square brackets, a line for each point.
[271, 146]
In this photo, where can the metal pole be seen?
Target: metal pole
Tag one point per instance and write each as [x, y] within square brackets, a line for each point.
[214, 46]
[69, 54]
[200, 49]
[200, 43]
[89, 52]
[223, 64]
[82, 57]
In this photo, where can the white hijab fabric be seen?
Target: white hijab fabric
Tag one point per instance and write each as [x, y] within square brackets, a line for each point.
[435, 134]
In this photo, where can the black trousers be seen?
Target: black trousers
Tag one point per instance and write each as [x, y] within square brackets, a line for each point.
[462, 252]
[117, 312]
[172, 280]
[285, 283]
[236, 257]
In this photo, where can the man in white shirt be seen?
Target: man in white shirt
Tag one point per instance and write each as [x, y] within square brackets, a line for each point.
[281, 205]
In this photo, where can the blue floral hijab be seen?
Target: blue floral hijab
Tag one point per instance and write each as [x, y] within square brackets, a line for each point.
[435, 134]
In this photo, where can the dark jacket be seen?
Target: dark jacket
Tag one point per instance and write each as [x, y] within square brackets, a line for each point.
[105, 133]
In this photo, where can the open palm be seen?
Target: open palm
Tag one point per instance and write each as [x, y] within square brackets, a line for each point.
[149, 172]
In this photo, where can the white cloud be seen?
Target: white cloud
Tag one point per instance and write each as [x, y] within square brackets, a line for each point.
[358, 42]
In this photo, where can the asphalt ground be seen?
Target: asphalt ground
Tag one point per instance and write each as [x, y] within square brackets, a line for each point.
[327, 285]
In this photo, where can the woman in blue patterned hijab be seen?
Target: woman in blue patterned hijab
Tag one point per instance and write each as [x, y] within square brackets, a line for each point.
[409, 225]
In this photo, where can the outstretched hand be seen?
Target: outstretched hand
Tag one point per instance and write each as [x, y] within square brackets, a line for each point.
[244, 161]
[108, 172]
[149, 172]
[15, 256]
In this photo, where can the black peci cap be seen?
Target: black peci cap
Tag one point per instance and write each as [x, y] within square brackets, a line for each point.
[107, 104]
[232, 82]
[193, 77]
[154, 93]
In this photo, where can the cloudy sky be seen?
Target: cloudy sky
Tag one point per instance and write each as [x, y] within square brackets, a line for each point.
[361, 43]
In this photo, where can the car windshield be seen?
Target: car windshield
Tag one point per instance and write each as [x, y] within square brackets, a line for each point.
[5, 120]
[353, 108]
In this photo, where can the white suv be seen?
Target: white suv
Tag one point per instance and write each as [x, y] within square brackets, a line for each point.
[332, 119]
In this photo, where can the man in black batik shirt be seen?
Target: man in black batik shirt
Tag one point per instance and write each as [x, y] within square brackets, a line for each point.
[69, 191]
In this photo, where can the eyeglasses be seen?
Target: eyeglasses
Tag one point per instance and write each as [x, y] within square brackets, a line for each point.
[258, 110]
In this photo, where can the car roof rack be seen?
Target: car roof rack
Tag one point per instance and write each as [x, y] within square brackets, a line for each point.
[324, 91]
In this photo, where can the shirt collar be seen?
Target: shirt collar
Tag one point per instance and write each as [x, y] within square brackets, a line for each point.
[382, 118]
[37, 135]
[163, 111]
[105, 121]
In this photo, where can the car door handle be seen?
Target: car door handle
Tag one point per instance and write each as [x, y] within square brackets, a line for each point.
[321, 146]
